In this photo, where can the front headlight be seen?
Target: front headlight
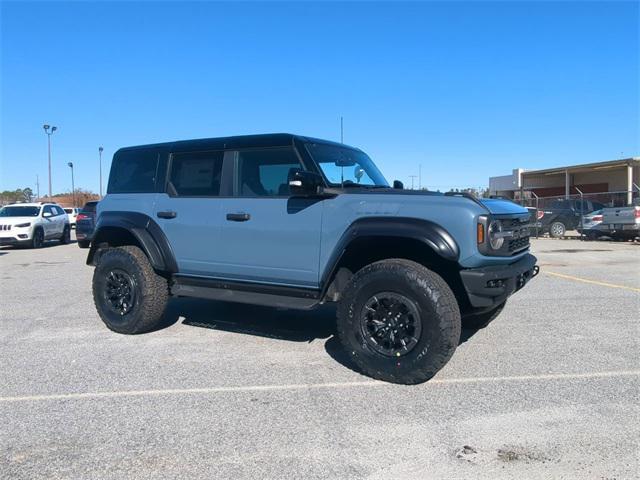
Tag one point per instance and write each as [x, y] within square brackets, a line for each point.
[496, 240]
[23, 225]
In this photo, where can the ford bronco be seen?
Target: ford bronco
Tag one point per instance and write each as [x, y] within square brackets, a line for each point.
[291, 221]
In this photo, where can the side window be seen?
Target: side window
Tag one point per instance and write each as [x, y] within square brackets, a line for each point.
[264, 173]
[133, 171]
[48, 209]
[196, 174]
[58, 210]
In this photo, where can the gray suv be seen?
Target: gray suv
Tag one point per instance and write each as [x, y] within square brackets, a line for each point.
[291, 221]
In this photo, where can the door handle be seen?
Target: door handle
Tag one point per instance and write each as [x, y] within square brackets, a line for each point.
[168, 215]
[238, 217]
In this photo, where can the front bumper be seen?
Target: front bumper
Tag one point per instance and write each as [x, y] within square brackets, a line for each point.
[505, 280]
[13, 241]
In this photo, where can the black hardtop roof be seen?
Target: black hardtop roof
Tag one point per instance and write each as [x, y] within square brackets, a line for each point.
[239, 141]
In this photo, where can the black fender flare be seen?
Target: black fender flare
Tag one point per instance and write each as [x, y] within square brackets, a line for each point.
[147, 233]
[431, 234]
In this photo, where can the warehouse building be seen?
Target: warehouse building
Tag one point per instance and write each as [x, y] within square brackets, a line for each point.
[621, 177]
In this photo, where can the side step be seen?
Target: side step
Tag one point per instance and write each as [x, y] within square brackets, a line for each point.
[244, 292]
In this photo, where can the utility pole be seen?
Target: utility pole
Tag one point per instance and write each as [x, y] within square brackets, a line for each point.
[413, 177]
[100, 149]
[73, 187]
[341, 131]
[49, 133]
[38, 187]
[420, 177]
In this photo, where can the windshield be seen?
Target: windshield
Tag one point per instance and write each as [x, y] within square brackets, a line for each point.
[19, 212]
[344, 166]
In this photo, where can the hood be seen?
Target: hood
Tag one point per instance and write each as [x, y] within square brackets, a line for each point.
[16, 220]
[502, 207]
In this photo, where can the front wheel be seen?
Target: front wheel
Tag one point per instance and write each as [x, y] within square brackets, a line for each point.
[38, 238]
[557, 229]
[129, 295]
[398, 321]
[65, 239]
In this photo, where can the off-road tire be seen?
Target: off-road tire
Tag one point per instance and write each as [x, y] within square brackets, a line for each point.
[84, 243]
[557, 230]
[151, 291]
[37, 241]
[438, 312]
[481, 320]
[65, 238]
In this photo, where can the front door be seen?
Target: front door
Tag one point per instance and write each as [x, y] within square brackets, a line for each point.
[49, 224]
[267, 235]
[189, 212]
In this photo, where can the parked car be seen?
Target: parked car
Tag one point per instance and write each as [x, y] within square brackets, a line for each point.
[85, 224]
[72, 213]
[291, 221]
[622, 222]
[30, 224]
[564, 214]
[592, 226]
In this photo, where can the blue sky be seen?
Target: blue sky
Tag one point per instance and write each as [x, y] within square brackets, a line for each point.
[468, 90]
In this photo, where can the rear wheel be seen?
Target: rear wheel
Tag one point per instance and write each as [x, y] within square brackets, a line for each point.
[398, 321]
[557, 229]
[129, 295]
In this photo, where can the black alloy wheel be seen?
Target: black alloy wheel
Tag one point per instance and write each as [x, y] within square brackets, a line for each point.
[120, 292]
[391, 324]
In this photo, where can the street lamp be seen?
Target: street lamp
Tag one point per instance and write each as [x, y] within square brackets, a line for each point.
[73, 188]
[49, 131]
[100, 149]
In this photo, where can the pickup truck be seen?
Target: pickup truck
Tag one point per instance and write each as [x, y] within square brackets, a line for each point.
[622, 222]
[292, 221]
[564, 214]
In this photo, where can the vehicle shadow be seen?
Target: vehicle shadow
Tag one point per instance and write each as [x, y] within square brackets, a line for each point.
[288, 325]
[281, 324]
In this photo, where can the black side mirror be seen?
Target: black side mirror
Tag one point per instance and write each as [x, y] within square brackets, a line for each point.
[398, 185]
[304, 183]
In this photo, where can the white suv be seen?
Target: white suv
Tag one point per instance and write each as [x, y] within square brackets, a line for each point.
[31, 224]
[72, 213]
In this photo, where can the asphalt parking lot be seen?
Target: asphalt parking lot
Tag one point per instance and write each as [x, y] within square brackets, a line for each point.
[548, 390]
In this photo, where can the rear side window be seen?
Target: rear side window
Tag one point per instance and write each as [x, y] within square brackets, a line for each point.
[264, 173]
[196, 174]
[90, 207]
[133, 171]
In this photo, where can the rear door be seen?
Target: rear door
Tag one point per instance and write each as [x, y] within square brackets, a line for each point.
[267, 235]
[189, 211]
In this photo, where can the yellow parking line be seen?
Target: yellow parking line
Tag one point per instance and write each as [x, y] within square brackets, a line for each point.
[314, 386]
[594, 282]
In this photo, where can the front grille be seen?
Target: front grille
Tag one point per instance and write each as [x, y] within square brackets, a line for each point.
[518, 244]
[5, 227]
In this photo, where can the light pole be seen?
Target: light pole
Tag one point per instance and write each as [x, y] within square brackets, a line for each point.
[73, 187]
[100, 149]
[49, 133]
